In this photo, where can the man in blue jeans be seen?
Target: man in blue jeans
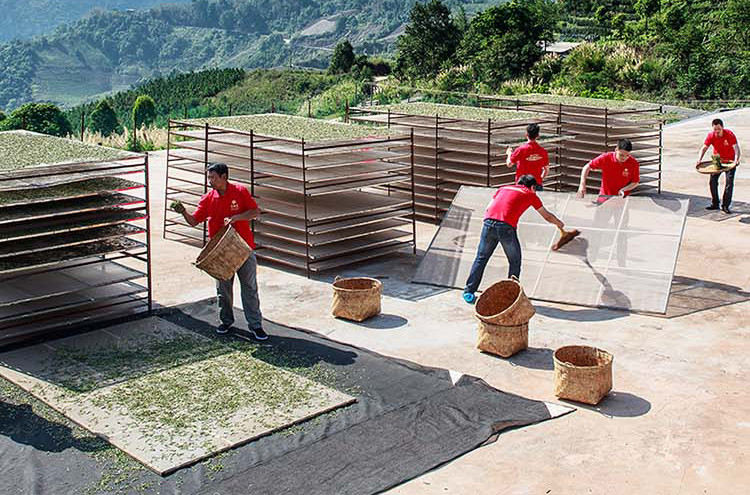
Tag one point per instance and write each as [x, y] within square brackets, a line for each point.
[500, 224]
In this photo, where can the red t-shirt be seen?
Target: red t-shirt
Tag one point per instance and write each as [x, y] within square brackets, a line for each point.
[723, 145]
[530, 158]
[509, 203]
[616, 175]
[216, 208]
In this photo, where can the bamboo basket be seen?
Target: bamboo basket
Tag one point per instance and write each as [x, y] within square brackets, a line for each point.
[582, 373]
[502, 341]
[505, 304]
[356, 298]
[224, 254]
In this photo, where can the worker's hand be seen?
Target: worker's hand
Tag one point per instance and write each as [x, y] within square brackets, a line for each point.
[737, 162]
[621, 193]
[697, 165]
[228, 220]
[581, 192]
[509, 151]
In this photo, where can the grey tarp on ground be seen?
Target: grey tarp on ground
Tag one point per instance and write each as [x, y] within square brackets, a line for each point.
[624, 258]
[408, 419]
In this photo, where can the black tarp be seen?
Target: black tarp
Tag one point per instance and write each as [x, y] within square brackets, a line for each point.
[408, 419]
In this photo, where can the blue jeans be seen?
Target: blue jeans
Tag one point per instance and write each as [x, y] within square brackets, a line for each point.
[494, 232]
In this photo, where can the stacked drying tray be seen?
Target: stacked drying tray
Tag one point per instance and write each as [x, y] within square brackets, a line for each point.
[592, 127]
[458, 145]
[323, 187]
[73, 235]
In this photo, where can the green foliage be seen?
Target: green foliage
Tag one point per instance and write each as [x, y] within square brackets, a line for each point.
[342, 59]
[33, 17]
[429, 42]
[332, 102]
[144, 111]
[38, 117]
[2, 116]
[261, 90]
[174, 96]
[103, 119]
[76, 62]
[503, 41]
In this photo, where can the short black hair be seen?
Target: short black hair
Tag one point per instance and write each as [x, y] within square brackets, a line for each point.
[625, 144]
[528, 180]
[532, 130]
[717, 122]
[218, 168]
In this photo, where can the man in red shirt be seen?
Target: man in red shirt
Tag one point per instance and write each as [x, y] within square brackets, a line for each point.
[725, 145]
[500, 224]
[620, 172]
[232, 204]
[530, 158]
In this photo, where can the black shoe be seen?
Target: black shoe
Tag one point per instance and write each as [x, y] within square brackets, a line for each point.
[712, 207]
[258, 334]
[726, 210]
[223, 328]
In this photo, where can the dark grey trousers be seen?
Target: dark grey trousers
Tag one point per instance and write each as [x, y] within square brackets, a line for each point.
[249, 291]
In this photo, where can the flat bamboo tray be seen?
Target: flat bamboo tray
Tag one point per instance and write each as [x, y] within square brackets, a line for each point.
[709, 168]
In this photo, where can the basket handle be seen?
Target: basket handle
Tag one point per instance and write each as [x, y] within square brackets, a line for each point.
[337, 278]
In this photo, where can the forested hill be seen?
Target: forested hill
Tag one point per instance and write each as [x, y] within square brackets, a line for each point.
[110, 51]
[27, 18]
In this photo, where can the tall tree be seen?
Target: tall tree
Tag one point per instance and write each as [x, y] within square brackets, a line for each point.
[144, 111]
[503, 42]
[38, 117]
[429, 42]
[103, 119]
[343, 58]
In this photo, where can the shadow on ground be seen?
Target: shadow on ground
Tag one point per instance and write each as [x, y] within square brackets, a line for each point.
[22, 425]
[536, 358]
[690, 295]
[617, 405]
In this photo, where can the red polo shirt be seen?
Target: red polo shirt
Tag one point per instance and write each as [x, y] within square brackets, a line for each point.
[531, 159]
[616, 175]
[723, 145]
[216, 208]
[509, 202]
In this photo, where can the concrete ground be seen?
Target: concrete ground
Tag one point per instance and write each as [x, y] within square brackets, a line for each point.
[678, 420]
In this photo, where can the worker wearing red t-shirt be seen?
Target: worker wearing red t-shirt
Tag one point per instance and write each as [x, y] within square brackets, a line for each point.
[226, 204]
[620, 172]
[500, 224]
[530, 158]
[725, 145]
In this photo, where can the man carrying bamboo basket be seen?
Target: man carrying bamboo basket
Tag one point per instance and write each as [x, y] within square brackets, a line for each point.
[226, 204]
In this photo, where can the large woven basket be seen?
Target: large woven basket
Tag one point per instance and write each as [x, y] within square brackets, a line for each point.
[504, 303]
[356, 298]
[582, 373]
[502, 341]
[224, 254]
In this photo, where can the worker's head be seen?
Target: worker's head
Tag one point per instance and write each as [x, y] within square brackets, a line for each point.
[532, 131]
[528, 180]
[622, 152]
[718, 126]
[218, 175]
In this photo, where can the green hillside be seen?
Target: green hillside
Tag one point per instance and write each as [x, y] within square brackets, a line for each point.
[27, 18]
[110, 51]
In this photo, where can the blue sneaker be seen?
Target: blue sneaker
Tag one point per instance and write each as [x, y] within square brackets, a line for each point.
[469, 297]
